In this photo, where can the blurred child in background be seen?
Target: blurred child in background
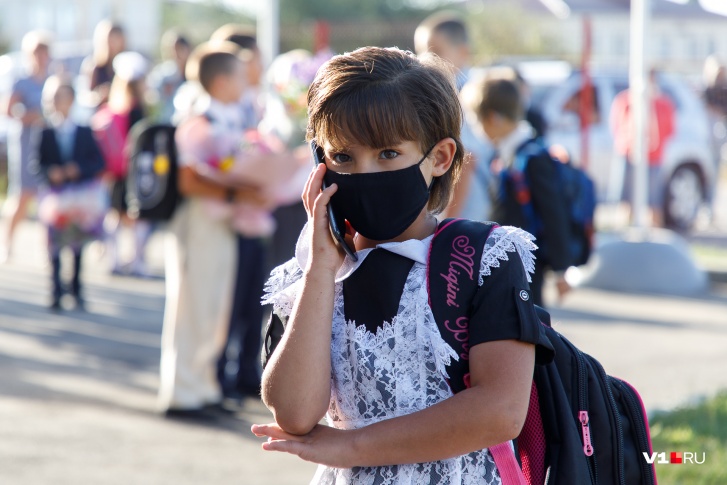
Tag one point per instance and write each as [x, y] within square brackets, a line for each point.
[74, 203]
[167, 77]
[201, 252]
[24, 107]
[111, 124]
[98, 69]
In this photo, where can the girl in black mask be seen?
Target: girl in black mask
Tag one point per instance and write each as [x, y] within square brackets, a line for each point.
[356, 341]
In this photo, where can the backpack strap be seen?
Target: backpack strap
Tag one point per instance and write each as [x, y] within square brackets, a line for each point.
[452, 274]
[507, 465]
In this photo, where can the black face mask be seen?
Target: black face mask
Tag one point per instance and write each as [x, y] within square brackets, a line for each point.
[379, 205]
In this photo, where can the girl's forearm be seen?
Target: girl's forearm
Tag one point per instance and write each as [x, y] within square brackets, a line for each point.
[469, 421]
[297, 380]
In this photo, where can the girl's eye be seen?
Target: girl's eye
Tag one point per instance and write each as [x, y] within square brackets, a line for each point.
[340, 158]
[389, 154]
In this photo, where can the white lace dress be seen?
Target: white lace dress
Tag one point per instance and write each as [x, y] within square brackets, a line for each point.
[401, 368]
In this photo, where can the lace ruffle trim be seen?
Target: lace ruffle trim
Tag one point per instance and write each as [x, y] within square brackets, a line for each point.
[443, 353]
[281, 288]
[503, 240]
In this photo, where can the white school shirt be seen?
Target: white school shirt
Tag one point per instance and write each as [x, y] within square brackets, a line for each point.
[405, 358]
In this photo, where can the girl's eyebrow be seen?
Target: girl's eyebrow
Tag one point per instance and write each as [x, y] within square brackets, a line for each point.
[332, 148]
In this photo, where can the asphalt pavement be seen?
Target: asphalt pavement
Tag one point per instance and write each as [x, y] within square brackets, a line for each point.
[77, 389]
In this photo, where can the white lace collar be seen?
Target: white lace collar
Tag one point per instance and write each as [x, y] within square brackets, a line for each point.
[414, 249]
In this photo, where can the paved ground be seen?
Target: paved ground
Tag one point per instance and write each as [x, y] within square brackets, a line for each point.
[77, 389]
[77, 392]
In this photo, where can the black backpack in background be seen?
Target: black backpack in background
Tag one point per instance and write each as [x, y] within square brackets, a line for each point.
[577, 189]
[151, 182]
[583, 426]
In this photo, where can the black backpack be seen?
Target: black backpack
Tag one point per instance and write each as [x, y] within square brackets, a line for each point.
[583, 426]
[151, 182]
[580, 198]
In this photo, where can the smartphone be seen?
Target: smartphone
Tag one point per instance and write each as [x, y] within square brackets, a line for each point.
[336, 224]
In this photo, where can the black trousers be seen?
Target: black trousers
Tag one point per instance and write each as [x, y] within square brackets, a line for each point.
[238, 368]
[56, 275]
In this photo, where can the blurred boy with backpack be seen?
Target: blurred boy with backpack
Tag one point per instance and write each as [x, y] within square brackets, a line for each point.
[228, 182]
[526, 191]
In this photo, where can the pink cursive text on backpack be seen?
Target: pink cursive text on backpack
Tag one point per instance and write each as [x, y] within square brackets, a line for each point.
[460, 261]
[461, 333]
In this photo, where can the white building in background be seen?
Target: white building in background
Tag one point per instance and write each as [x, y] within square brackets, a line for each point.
[73, 21]
[681, 35]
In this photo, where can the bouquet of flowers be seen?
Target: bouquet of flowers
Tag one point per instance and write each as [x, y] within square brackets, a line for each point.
[290, 75]
[82, 205]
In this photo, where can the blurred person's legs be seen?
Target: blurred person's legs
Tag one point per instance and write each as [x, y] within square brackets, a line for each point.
[200, 260]
[627, 192]
[142, 234]
[76, 278]
[656, 196]
[616, 179]
[56, 284]
[112, 226]
[116, 221]
[56, 241]
[239, 365]
[16, 209]
[22, 186]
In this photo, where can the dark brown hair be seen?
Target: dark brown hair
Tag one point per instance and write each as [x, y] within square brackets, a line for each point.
[501, 96]
[241, 35]
[380, 97]
[449, 24]
[210, 60]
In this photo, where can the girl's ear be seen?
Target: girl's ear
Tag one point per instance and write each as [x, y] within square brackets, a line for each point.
[443, 156]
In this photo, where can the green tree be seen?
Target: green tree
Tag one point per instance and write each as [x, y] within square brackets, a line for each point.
[198, 20]
[293, 11]
[498, 30]
[508, 30]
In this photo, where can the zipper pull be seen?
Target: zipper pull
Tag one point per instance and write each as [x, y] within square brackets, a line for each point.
[586, 430]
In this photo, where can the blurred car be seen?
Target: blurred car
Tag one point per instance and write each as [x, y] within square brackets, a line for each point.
[689, 173]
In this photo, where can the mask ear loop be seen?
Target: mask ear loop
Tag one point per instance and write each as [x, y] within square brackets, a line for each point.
[426, 154]
[429, 187]
[430, 151]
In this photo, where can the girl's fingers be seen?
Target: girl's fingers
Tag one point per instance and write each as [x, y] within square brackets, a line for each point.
[313, 188]
[292, 447]
[305, 194]
[323, 198]
[273, 431]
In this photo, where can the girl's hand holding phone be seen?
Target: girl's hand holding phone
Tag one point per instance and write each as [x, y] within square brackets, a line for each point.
[324, 253]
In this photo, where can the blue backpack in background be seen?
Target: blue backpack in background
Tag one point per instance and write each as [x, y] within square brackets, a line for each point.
[577, 189]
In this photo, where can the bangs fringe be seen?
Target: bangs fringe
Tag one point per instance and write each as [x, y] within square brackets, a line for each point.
[374, 116]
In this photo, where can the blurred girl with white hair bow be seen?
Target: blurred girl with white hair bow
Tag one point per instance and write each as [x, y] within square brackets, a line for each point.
[111, 124]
